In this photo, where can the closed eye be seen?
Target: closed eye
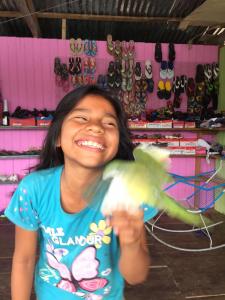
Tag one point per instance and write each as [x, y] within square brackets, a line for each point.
[80, 118]
[110, 124]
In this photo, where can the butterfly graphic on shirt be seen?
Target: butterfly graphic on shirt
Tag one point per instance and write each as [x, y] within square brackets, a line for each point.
[83, 273]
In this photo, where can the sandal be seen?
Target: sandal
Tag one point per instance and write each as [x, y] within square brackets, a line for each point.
[170, 70]
[168, 89]
[148, 69]
[118, 80]
[129, 84]
[158, 52]
[79, 46]
[117, 51]
[86, 66]
[92, 65]
[176, 86]
[150, 84]
[124, 50]
[57, 71]
[176, 101]
[78, 65]
[93, 48]
[137, 71]
[86, 47]
[110, 44]
[131, 49]
[190, 90]
[111, 68]
[72, 46]
[172, 53]
[163, 69]
[215, 70]
[161, 90]
[71, 65]
[183, 83]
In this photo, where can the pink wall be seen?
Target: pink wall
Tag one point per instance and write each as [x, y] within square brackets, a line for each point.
[27, 79]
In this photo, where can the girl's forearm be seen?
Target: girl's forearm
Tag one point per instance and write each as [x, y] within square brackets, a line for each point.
[22, 279]
[134, 263]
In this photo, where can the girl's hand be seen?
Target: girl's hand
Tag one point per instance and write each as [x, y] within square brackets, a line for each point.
[128, 227]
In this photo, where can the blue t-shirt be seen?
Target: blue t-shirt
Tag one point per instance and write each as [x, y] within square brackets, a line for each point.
[79, 253]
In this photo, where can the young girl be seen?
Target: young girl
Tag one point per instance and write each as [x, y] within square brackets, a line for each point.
[83, 254]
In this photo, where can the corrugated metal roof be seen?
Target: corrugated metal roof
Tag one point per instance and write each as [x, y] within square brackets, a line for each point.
[152, 30]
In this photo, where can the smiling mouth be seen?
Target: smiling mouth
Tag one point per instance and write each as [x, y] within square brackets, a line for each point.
[91, 145]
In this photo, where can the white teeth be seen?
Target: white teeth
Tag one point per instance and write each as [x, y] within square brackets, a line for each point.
[91, 144]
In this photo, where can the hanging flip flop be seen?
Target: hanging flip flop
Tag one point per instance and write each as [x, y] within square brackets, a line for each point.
[86, 47]
[168, 89]
[215, 70]
[176, 101]
[93, 50]
[170, 70]
[57, 71]
[161, 90]
[72, 46]
[118, 50]
[131, 49]
[92, 65]
[200, 76]
[183, 83]
[78, 66]
[150, 83]
[123, 66]
[111, 68]
[124, 84]
[124, 50]
[158, 52]
[137, 71]
[172, 53]
[71, 65]
[176, 86]
[86, 66]
[129, 84]
[79, 46]
[190, 90]
[148, 69]
[144, 85]
[118, 80]
[163, 69]
[110, 44]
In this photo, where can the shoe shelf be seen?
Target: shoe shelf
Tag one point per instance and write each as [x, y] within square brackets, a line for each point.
[8, 182]
[212, 130]
[200, 130]
[195, 155]
[24, 156]
[23, 127]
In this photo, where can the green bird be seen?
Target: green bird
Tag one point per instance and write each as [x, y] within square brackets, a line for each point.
[130, 184]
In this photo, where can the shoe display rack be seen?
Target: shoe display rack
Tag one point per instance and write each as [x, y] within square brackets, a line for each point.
[13, 161]
[18, 153]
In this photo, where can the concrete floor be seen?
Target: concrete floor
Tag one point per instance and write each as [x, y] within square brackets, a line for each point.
[174, 275]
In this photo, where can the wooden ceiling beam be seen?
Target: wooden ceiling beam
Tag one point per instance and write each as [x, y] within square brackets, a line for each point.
[35, 19]
[52, 15]
[25, 8]
[210, 13]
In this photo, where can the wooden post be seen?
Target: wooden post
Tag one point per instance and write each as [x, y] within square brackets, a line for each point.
[63, 29]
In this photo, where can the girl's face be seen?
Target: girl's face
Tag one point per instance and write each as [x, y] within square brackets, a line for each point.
[89, 134]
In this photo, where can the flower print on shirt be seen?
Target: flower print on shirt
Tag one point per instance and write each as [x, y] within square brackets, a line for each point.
[102, 231]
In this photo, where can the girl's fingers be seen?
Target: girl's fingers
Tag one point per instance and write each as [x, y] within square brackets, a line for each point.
[124, 223]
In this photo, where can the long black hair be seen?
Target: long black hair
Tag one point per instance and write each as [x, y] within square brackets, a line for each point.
[52, 156]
